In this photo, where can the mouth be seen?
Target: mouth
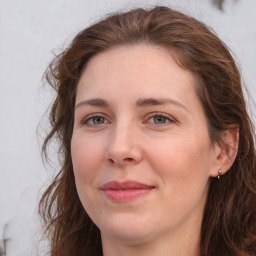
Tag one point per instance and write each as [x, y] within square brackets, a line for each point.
[125, 191]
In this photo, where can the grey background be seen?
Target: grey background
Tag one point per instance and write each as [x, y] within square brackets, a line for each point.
[30, 31]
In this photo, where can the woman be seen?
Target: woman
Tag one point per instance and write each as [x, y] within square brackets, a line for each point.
[157, 149]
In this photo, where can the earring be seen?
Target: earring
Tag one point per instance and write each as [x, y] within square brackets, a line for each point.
[219, 174]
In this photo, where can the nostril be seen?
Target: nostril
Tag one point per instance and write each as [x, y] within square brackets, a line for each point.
[128, 159]
[111, 161]
[120, 161]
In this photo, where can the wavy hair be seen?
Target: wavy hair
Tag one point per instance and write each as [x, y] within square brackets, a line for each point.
[229, 221]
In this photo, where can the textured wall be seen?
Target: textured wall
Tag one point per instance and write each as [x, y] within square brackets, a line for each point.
[29, 32]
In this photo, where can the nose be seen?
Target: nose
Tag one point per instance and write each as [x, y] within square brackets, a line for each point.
[124, 147]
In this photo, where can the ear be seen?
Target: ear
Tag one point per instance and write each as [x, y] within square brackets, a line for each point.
[225, 151]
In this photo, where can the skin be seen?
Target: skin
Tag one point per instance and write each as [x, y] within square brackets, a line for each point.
[163, 143]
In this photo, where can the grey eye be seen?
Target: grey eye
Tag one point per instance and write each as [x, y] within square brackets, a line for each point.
[95, 120]
[98, 120]
[159, 119]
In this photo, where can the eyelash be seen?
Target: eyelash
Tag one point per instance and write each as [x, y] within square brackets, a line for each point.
[86, 120]
[167, 118]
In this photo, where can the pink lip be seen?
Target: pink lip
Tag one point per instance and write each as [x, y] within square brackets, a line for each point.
[125, 191]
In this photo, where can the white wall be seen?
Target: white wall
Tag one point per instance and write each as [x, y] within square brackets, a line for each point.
[29, 31]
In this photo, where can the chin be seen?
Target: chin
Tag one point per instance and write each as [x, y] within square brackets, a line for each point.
[127, 231]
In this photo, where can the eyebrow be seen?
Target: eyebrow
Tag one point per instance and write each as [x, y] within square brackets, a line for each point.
[156, 102]
[97, 102]
[146, 102]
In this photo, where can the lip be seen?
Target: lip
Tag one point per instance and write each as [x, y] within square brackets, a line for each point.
[125, 191]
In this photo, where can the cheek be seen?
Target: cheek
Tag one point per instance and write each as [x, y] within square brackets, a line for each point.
[184, 171]
[183, 163]
[86, 158]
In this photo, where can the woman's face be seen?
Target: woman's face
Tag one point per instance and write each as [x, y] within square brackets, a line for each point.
[141, 152]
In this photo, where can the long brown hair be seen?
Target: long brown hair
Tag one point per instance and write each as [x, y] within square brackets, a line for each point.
[229, 222]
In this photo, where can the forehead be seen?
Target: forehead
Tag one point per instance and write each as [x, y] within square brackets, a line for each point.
[143, 67]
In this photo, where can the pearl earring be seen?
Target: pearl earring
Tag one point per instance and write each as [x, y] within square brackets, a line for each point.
[219, 174]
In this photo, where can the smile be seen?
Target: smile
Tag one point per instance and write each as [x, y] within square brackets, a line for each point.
[125, 191]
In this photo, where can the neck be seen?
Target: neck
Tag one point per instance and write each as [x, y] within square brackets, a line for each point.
[176, 244]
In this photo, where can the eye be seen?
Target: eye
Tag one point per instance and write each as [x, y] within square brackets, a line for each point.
[160, 119]
[94, 120]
